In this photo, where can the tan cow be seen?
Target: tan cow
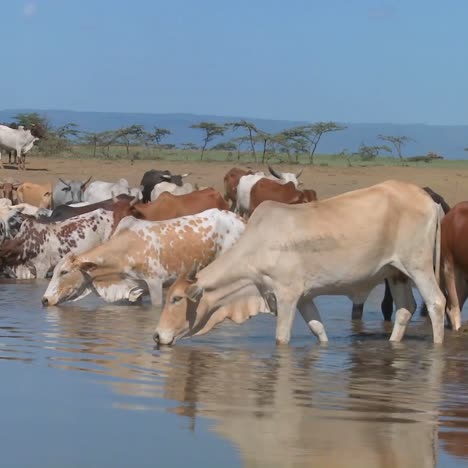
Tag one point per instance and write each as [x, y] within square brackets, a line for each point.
[343, 245]
[35, 194]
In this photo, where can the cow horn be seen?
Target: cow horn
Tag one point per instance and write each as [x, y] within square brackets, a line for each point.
[299, 173]
[186, 175]
[64, 183]
[274, 173]
[83, 185]
[134, 202]
[166, 176]
[114, 199]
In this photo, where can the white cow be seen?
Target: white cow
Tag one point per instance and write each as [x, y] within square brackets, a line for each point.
[248, 181]
[98, 190]
[343, 245]
[17, 139]
[171, 188]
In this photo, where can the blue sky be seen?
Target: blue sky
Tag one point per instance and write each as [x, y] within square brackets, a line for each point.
[345, 60]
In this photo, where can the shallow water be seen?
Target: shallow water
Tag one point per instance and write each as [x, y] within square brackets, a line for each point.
[83, 385]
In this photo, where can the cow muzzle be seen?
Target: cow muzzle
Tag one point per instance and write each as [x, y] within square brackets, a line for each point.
[46, 301]
[163, 338]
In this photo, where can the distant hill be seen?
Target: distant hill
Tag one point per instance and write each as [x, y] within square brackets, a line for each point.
[448, 141]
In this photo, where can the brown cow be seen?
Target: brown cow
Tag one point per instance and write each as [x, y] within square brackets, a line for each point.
[231, 181]
[266, 189]
[168, 206]
[454, 249]
[35, 194]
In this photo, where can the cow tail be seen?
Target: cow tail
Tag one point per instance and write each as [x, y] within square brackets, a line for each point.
[437, 247]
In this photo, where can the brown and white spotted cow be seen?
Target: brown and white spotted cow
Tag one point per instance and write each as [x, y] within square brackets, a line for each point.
[39, 246]
[145, 251]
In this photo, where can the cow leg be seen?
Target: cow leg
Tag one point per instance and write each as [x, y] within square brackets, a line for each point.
[286, 301]
[311, 316]
[434, 300]
[405, 307]
[1, 161]
[454, 289]
[387, 303]
[358, 310]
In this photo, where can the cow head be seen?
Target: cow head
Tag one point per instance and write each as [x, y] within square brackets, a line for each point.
[69, 282]
[74, 189]
[9, 189]
[179, 313]
[286, 176]
[37, 131]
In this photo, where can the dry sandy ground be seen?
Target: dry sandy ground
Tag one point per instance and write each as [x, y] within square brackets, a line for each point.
[452, 184]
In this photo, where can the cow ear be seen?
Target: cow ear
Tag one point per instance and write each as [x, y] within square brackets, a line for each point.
[194, 292]
[47, 194]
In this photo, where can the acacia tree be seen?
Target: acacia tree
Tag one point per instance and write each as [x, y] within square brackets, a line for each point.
[158, 134]
[312, 133]
[264, 139]
[132, 135]
[369, 153]
[252, 131]
[397, 141]
[211, 130]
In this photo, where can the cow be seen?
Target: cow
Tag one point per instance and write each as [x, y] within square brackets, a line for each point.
[63, 212]
[248, 181]
[266, 189]
[69, 191]
[387, 302]
[455, 261]
[35, 194]
[40, 246]
[153, 177]
[98, 190]
[171, 188]
[153, 252]
[169, 206]
[20, 140]
[231, 181]
[337, 246]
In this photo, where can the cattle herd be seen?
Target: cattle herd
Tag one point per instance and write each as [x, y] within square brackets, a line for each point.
[264, 245]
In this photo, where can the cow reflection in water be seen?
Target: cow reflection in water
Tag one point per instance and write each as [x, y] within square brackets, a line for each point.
[360, 403]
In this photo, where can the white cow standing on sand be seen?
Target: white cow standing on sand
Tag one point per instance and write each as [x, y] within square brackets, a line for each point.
[98, 190]
[17, 139]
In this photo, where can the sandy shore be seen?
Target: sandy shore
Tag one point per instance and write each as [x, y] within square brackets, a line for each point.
[451, 183]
